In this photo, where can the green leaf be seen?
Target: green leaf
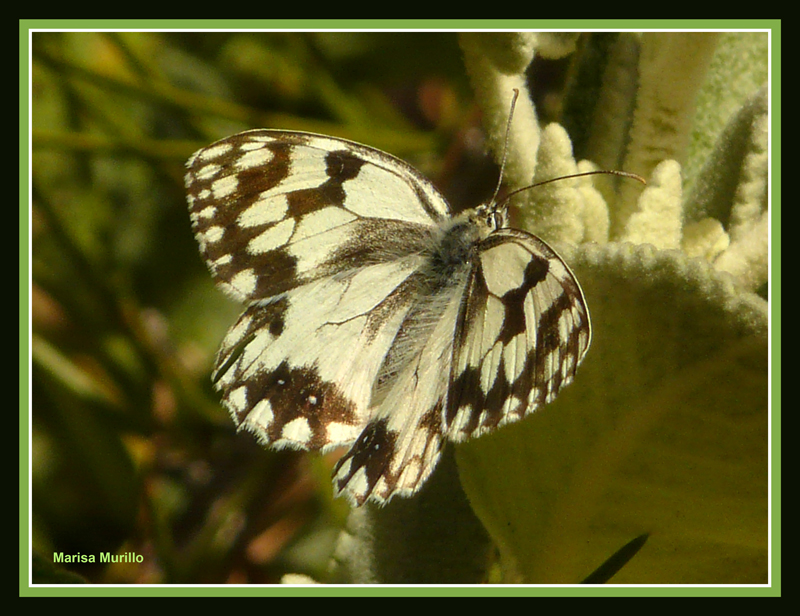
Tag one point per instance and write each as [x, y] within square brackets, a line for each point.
[663, 432]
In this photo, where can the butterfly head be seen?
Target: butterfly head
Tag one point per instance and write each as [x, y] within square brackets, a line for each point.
[487, 217]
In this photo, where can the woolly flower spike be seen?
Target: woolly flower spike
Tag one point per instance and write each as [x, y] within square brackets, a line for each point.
[664, 430]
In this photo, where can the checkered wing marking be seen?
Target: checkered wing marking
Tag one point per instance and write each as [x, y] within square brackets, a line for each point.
[522, 332]
[273, 210]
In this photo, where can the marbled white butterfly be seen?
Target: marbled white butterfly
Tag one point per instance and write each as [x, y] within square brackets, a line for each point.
[375, 318]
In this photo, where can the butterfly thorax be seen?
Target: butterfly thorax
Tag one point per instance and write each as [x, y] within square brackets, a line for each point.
[452, 249]
[455, 246]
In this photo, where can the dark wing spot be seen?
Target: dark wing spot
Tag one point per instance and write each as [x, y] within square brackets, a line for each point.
[299, 392]
[514, 301]
[373, 451]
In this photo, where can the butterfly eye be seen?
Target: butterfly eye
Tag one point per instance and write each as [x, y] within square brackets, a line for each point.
[494, 219]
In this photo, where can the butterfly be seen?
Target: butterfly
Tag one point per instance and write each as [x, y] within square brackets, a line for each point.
[375, 318]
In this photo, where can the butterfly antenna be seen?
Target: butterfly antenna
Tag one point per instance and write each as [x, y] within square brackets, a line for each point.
[514, 98]
[623, 174]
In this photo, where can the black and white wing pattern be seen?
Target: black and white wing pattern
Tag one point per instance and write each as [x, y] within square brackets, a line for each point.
[374, 318]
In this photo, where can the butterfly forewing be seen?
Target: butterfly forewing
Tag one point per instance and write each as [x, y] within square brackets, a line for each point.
[522, 333]
[275, 209]
[374, 319]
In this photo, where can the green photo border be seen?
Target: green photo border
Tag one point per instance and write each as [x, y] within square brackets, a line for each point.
[26, 27]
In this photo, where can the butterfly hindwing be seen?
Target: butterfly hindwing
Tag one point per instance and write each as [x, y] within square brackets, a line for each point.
[298, 370]
[402, 441]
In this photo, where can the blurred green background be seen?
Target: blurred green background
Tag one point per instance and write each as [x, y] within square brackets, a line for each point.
[131, 451]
